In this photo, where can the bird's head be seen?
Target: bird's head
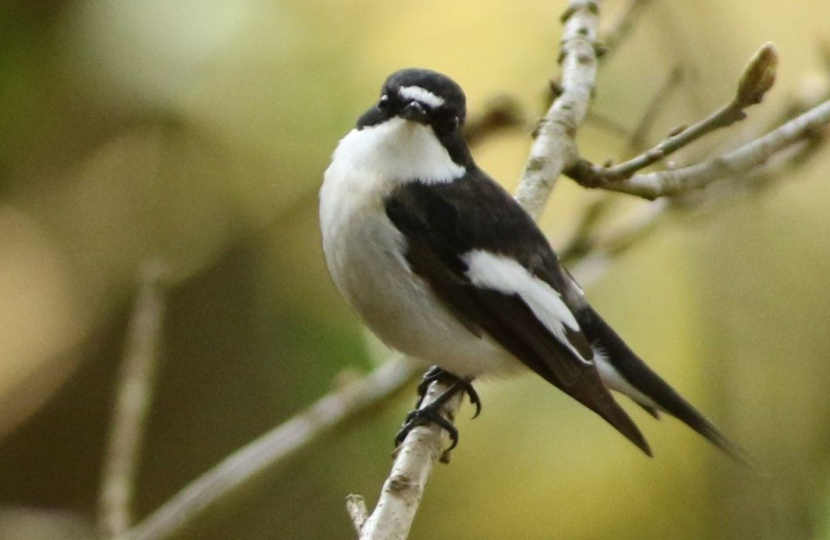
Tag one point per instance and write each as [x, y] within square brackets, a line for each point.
[419, 95]
[421, 98]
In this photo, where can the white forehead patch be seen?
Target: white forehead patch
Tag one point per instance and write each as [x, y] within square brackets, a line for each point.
[421, 94]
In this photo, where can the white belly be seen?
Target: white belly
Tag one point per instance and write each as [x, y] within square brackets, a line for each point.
[365, 256]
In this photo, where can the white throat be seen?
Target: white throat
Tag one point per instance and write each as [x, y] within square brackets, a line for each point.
[396, 151]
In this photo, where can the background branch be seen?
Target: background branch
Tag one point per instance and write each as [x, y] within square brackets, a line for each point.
[499, 114]
[274, 447]
[622, 26]
[638, 138]
[133, 398]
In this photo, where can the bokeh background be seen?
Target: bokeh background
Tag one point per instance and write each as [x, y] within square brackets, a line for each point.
[196, 133]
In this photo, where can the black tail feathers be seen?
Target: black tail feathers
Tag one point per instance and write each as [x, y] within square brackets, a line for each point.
[641, 377]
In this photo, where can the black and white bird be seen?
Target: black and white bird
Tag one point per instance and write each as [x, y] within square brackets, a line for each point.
[443, 265]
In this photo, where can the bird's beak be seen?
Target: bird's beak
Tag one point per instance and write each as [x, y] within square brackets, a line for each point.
[414, 112]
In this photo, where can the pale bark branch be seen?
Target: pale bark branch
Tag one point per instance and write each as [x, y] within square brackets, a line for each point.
[591, 252]
[356, 506]
[133, 398]
[274, 448]
[554, 147]
[403, 489]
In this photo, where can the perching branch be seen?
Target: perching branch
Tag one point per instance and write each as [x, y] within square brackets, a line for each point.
[356, 506]
[403, 489]
[274, 448]
[133, 399]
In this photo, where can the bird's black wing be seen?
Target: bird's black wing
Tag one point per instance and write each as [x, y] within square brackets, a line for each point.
[443, 222]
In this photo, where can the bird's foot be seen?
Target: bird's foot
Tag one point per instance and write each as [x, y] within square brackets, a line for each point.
[436, 373]
[431, 413]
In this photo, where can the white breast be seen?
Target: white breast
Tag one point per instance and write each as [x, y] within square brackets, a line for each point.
[365, 252]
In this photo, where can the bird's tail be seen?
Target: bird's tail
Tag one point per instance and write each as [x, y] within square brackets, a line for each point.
[630, 367]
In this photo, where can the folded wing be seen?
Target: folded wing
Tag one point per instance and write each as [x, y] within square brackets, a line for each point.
[494, 270]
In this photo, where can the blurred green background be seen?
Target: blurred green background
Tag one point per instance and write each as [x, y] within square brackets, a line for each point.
[197, 132]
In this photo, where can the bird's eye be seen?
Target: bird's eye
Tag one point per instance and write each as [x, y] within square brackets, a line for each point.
[454, 122]
[383, 103]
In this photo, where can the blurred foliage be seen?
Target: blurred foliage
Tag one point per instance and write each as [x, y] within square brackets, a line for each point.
[197, 133]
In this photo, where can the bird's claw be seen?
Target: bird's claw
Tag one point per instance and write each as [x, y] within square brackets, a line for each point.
[436, 373]
[431, 413]
[420, 417]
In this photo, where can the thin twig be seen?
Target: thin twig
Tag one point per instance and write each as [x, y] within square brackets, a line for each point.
[581, 241]
[620, 29]
[273, 448]
[655, 107]
[756, 80]
[757, 181]
[672, 182]
[499, 114]
[588, 267]
[133, 398]
[554, 148]
[591, 254]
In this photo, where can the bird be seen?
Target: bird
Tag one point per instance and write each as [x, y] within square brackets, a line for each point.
[443, 265]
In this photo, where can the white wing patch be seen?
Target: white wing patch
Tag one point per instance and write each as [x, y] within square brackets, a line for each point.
[421, 94]
[507, 276]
